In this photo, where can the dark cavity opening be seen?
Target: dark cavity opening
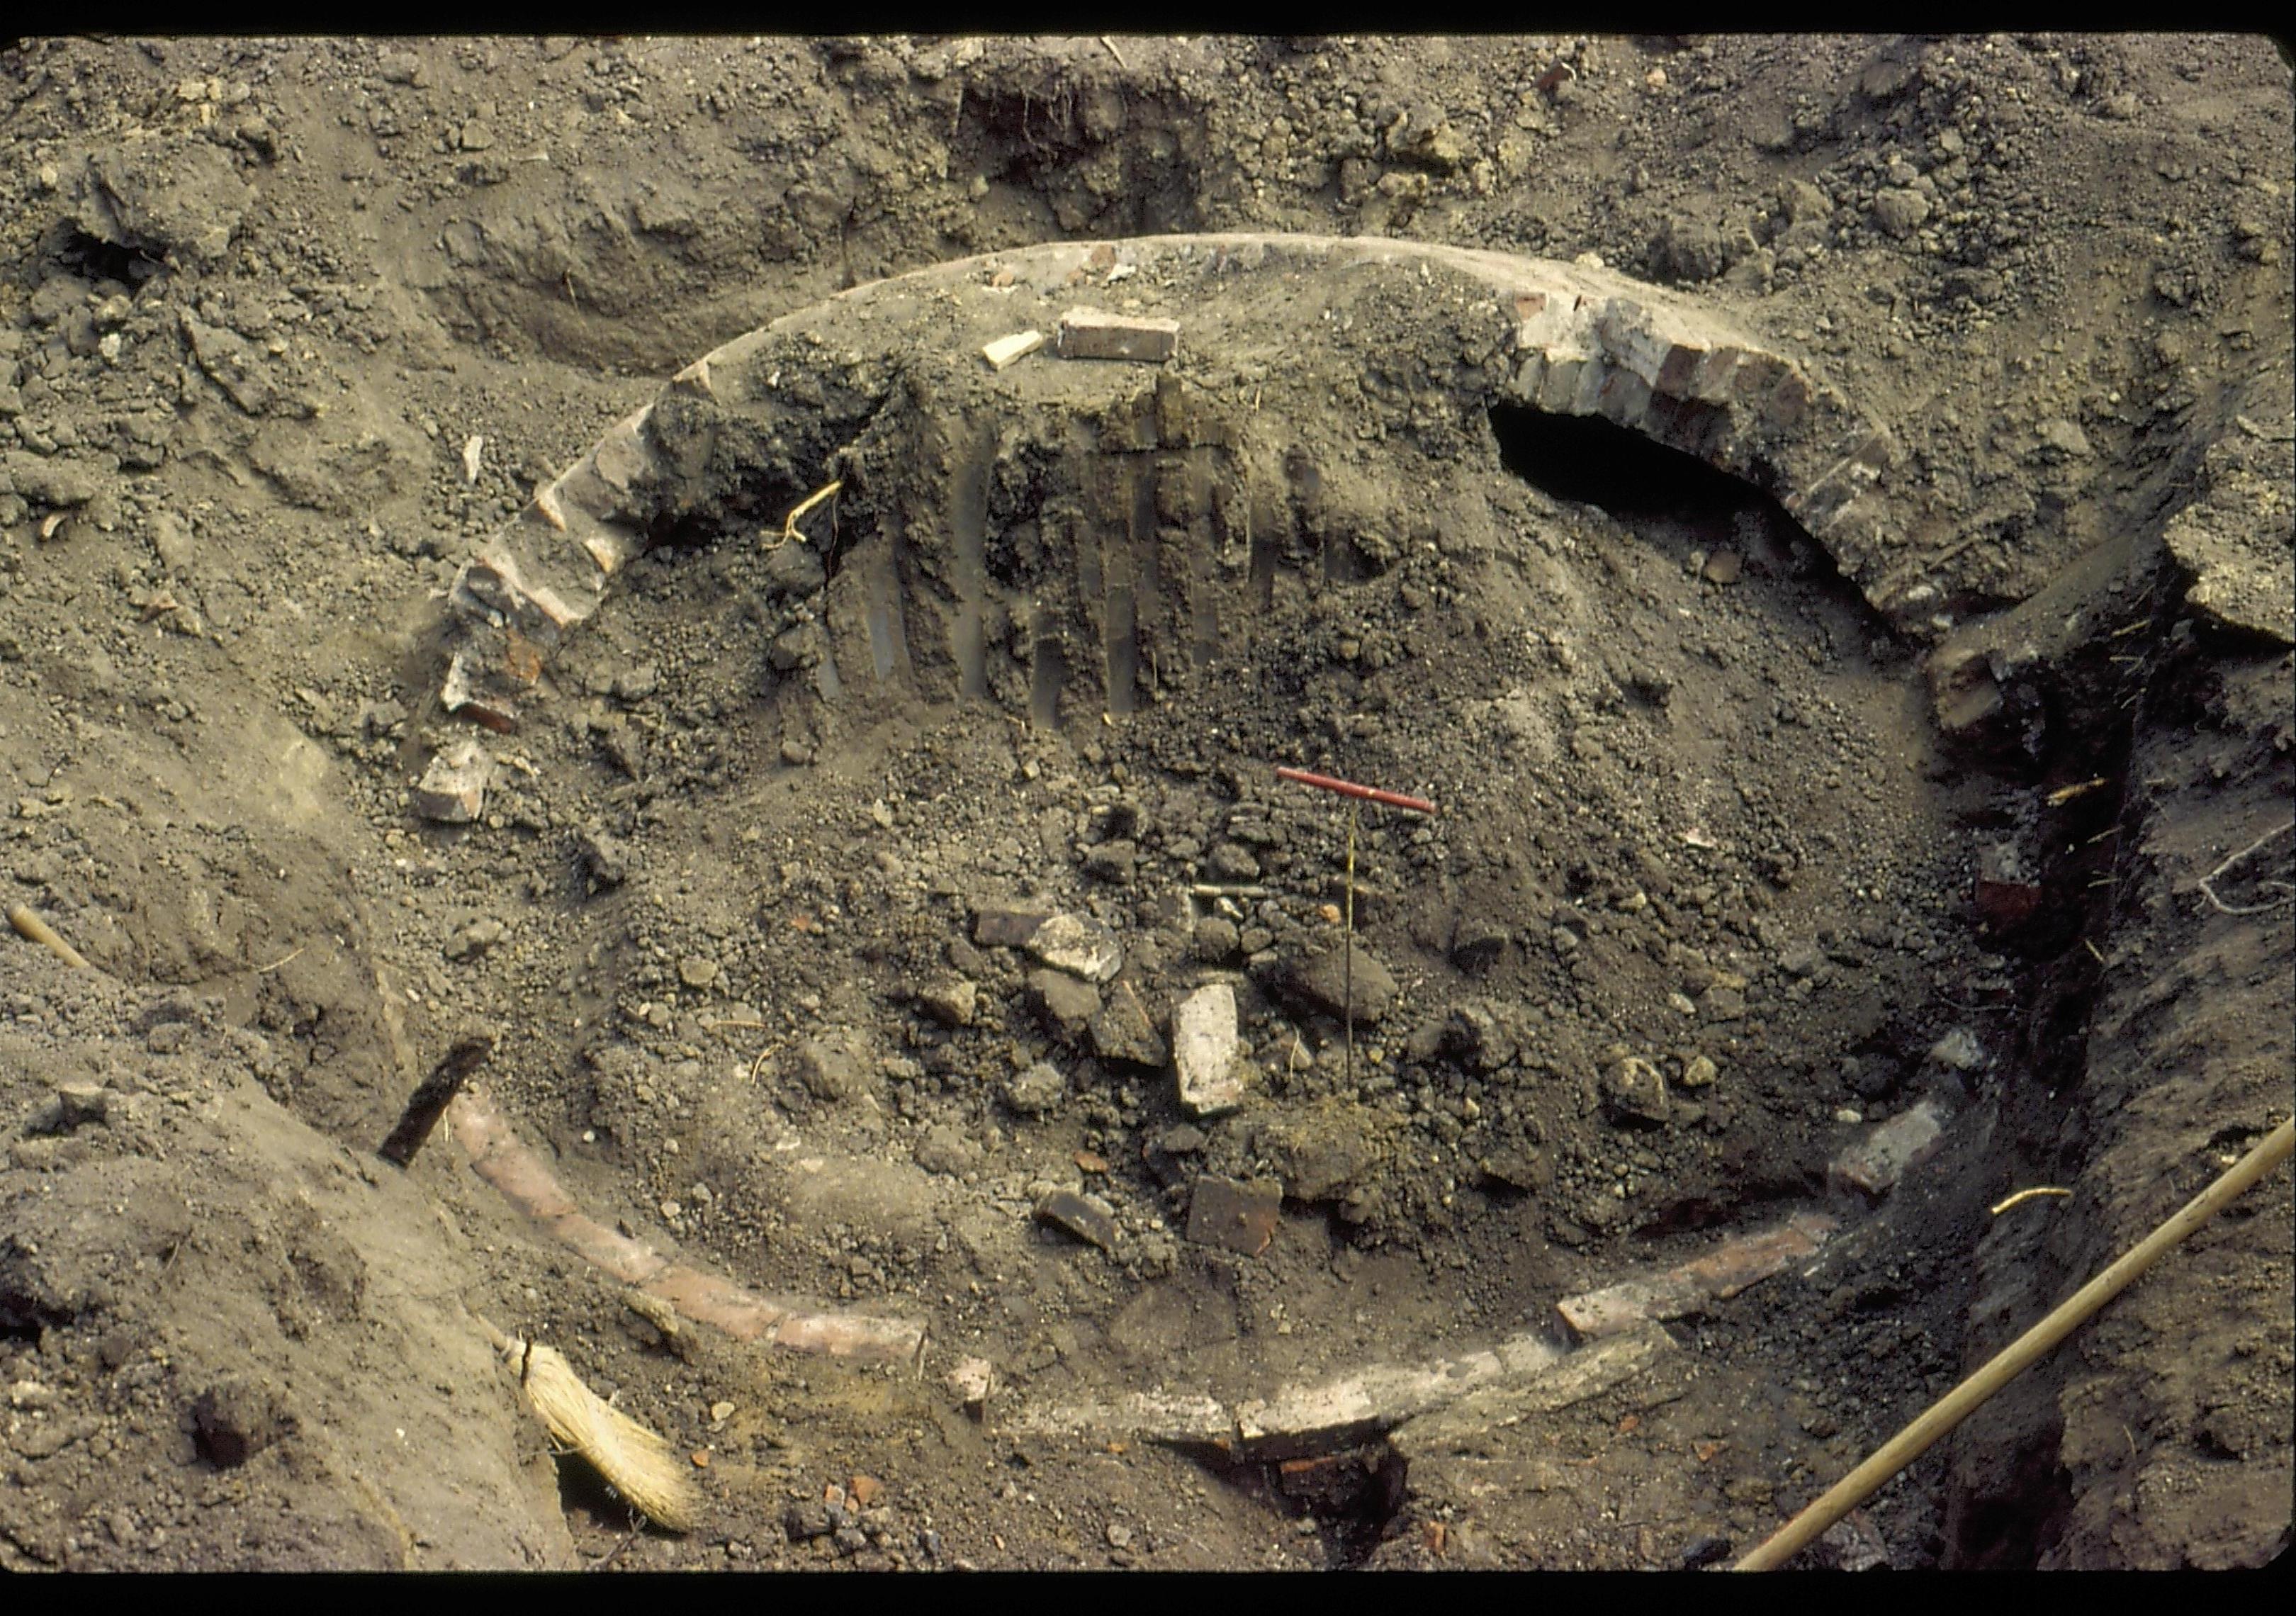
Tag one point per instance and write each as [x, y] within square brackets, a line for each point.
[96, 260]
[1671, 498]
[25, 1317]
[2012, 1529]
[1592, 462]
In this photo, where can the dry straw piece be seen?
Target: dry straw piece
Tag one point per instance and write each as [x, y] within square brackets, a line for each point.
[639, 1463]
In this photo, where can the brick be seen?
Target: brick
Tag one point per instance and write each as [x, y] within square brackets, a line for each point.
[998, 926]
[1078, 945]
[453, 790]
[1738, 1262]
[1086, 1217]
[1086, 333]
[1207, 1052]
[2007, 897]
[1874, 1166]
[1238, 1217]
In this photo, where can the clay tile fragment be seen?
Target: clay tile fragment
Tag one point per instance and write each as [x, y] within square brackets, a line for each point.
[1087, 333]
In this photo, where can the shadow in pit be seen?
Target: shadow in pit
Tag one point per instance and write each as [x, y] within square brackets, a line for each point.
[2010, 1527]
[1353, 1494]
[96, 260]
[590, 1502]
[1672, 501]
[1589, 461]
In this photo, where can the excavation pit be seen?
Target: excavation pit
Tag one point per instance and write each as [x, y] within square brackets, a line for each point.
[1852, 674]
[1003, 634]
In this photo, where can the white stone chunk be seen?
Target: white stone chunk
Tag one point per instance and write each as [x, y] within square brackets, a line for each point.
[1207, 1050]
[1010, 350]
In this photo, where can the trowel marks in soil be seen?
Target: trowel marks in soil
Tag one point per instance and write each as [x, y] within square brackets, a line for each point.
[1053, 507]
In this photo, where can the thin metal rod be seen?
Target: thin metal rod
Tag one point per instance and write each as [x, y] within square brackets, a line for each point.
[1349, 788]
[1356, 796]
[2013, 1359]
[1347, 951]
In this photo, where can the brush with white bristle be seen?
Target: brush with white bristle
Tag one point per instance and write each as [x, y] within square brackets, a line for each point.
[639, 1463]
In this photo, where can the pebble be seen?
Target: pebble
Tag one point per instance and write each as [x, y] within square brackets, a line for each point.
[1478, 945]
[172, 542]
[831, 1068]
[1900, 211]
[1088, 1217]
[1852, 1545]
[1635, 1090]
[998, 926]
[973, 1380]
[1875, 1164]
[77, 1103]
[1067, 1004]
[1232, 862]
[1037, 1089]
[952, 1001]
[946, 1150]
[1113, 862]
[604, 857]
[2066, 437]
[1322, 980]
[453, 790]
[1078, 945]
[473, 939]
[637, 683]
[1123, 1031]
[1958, 1049]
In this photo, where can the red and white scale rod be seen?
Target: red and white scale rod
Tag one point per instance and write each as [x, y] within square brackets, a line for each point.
[1349, 788]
